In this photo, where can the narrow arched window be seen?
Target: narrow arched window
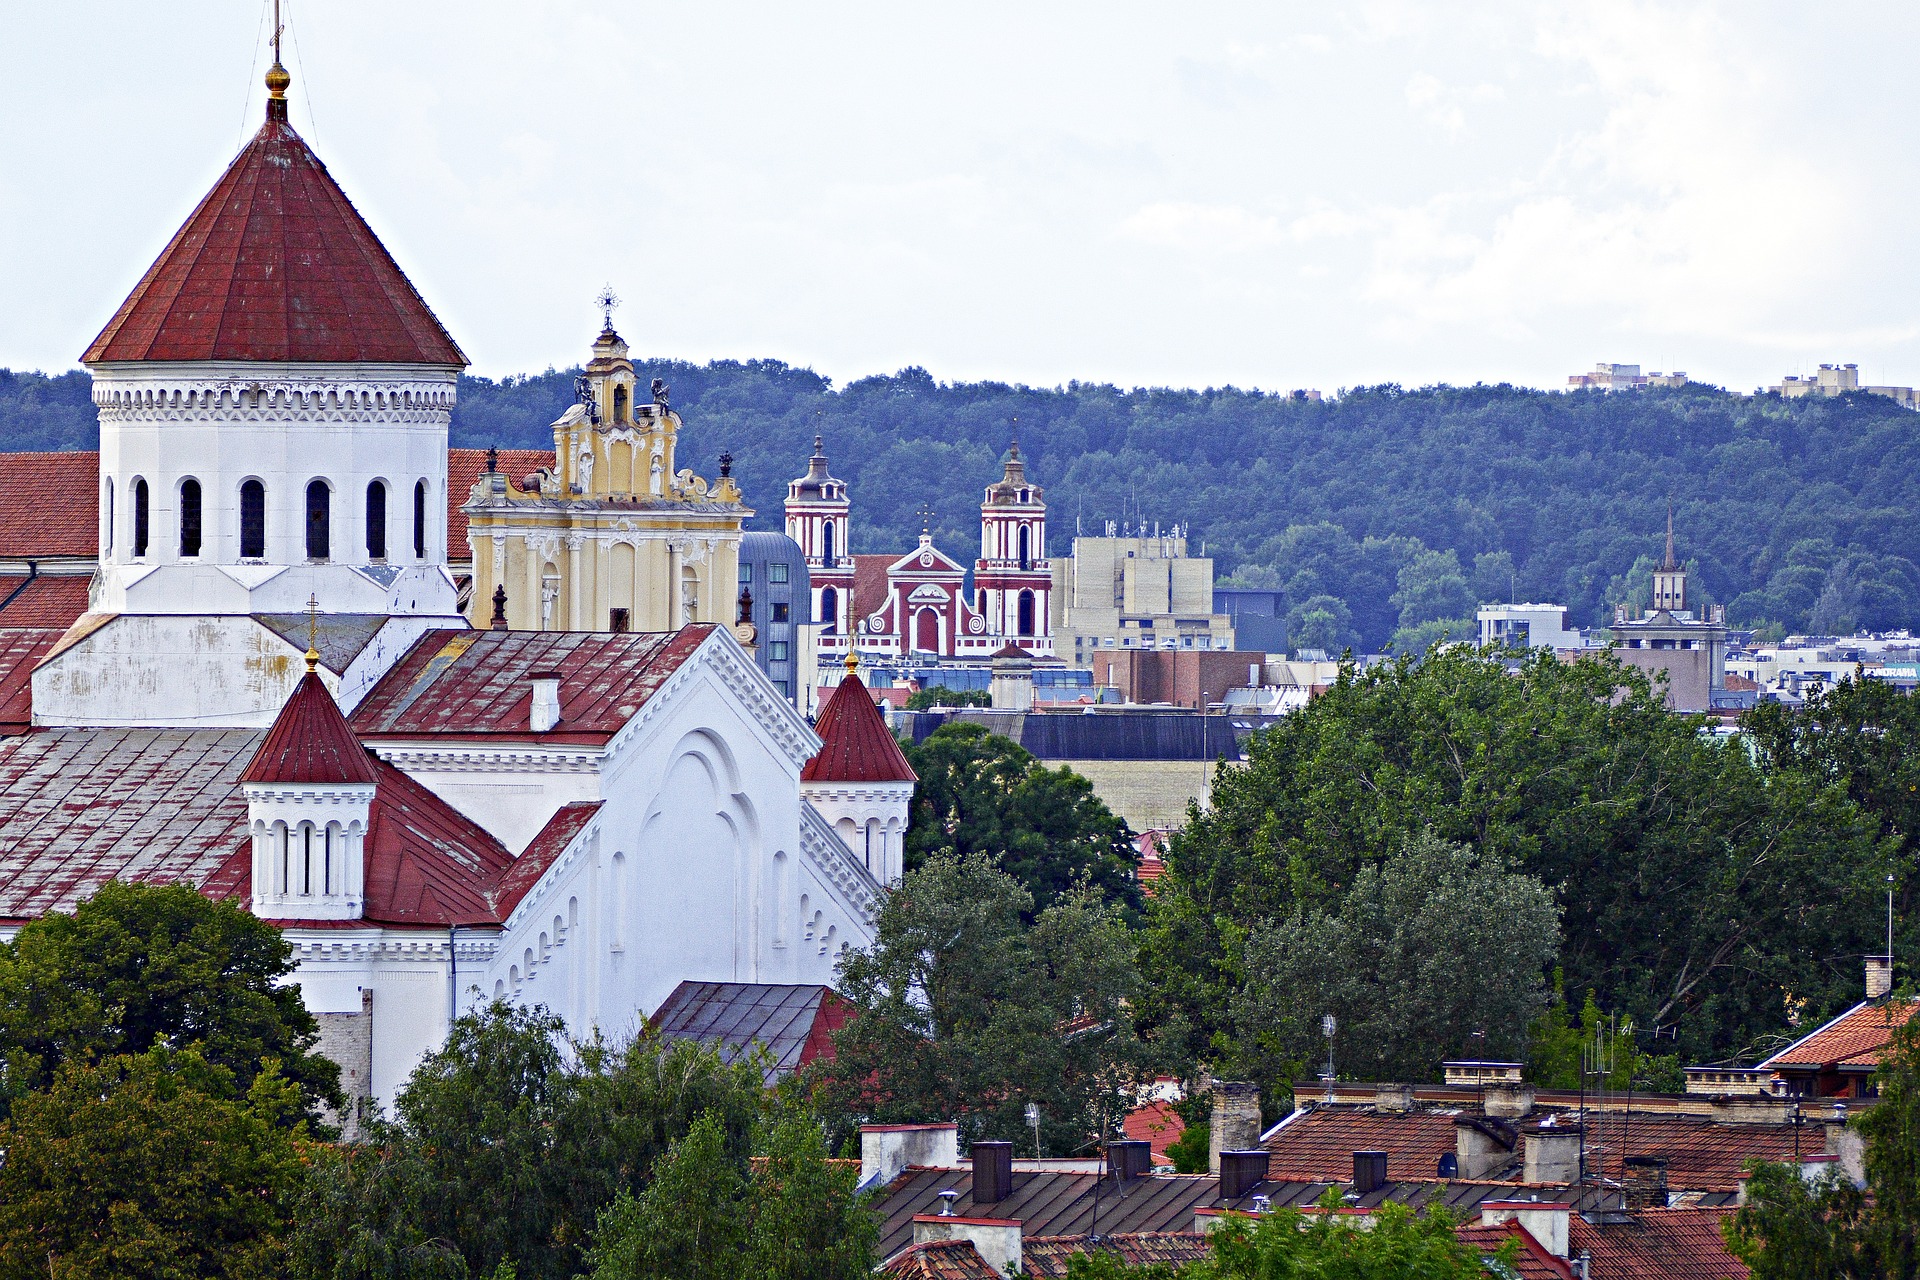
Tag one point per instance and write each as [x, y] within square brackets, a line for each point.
[139, 517]
[319, 520]
[826, 546]
[1026, 548]
[109, 546]
[377, 521]
[829, 608]
[1026, 613]
[420, 520]
[619, 404]
[189, 517]
[253, 521]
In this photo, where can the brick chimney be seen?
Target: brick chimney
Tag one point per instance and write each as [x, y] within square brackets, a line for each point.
[1645, 1182]
[1236, 1119]
[887, 1149]
[1551, 1153]
[1879, 977]
[1393, 1097]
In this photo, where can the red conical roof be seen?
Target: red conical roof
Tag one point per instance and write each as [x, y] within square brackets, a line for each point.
[857, 747]
[310, 743]
[275, 265]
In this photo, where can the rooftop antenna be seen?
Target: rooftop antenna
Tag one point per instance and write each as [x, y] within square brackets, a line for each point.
[1033, 1122]
[1328, 1026]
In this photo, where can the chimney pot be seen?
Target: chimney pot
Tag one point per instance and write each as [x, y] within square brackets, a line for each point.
[1129, 1159]
[1879, 977]
[545, 711]
[1646, 1182]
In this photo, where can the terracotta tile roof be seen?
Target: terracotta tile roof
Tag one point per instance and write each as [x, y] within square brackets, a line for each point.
[855, 743]
[1156, 1123]
[464, 466]
[941, 1260]
[310, 742]
[1701, 1154]
[46, 601]
[276, 265]
[1047, 1256]
[477, 684]
[1533, 1262]
[64, 517]
[793, 1022]
[21, 649]
[1658, 1244]
[1853, 1039]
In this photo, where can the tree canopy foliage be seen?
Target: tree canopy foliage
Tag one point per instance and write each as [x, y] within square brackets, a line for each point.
[1798, 513]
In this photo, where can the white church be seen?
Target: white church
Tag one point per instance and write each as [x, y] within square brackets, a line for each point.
[272, 693]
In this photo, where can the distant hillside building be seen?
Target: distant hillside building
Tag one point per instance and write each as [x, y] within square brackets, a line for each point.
[1668, 640]
[1528, 626]
[1837, 380]
[1622, 377]
[1135, 591]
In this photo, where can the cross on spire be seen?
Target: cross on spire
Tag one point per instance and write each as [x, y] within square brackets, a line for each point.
[313, 633]
[926, 514]
[277, 77]
[607, 300]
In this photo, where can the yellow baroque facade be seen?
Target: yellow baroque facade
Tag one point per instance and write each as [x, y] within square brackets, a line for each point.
[611, 537]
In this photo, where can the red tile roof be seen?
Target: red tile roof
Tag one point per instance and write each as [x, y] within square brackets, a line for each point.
[856, 745]
[941, 1260]
[1658, 1244]
[1321, 1143]
[477, 684]
[21, 649]
[1853, 1039]
[46, 601]
[1046, 1256]
[1533, 1262]
[64, 517]
[869, 585]
[310, 743]
[1156, 1123]
[277, 265]
[464, 466]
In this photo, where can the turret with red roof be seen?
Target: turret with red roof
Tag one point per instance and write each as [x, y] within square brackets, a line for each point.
[860, 781]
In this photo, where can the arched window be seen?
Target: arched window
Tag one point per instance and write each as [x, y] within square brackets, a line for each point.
[319, 520]
[826, 545]
[139, 517]
[1026, 547]
[377, 520]
[253, 521]
[980, 602]
[420, 520]
[926, 631]
[619, 404]
[1026, 613]
[189, 517]
[109, 545]
[829, 609]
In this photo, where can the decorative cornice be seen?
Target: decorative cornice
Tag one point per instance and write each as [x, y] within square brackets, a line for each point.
[274, 394]
[464, 757]
[829, 855]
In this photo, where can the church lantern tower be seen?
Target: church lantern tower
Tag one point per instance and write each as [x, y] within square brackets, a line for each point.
[1670, 579]
[817, 518]
[1013, 580]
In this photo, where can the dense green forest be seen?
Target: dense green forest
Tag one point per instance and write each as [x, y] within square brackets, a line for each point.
[1385, 510]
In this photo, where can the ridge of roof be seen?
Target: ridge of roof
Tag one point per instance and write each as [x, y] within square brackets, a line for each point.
[856, 745]
[310, 742]
[275, 264]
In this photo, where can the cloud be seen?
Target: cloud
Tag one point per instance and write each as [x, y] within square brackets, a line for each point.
[1445, 106]
[1226, 229]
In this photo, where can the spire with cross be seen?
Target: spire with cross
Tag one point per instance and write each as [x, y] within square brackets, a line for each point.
[606, 300]
[926, 514]
[313, 633]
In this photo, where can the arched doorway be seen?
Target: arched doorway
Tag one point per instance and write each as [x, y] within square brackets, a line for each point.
[926, 630]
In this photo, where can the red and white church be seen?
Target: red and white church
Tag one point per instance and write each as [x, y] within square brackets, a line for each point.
[891, 607]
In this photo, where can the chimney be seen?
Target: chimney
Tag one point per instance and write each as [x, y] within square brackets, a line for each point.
[546, 700]
[1393, 1097]
[1482, 1145]
[1546, 1223]
[1751, 1109]
[1129, 1159]
[1236, 1119]
[992, 1171]
[1509, 1099]
[1369, 1172]
[1847, 1147]
[1879, 977]
[1645, 1179]
[997, 1239]
[886, 1149]
[1551, 1153]
[1241, 1172]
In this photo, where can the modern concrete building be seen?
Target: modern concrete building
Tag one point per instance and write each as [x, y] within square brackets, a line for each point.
[1529, 626]
[1838, 380]
[1135, 591]
[777, 599]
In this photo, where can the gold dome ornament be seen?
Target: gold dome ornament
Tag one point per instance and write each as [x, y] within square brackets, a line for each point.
[277, 80]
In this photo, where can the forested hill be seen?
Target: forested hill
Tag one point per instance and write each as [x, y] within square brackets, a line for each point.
[1386, 507]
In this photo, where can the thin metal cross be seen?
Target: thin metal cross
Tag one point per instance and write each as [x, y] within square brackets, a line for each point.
[607, 300]
[926, 514]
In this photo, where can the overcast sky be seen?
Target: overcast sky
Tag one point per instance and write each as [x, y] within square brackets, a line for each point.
[1264, 194]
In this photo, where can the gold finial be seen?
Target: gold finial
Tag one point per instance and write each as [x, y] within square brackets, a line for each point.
[853, 658]
[313, 634]
[277, 77]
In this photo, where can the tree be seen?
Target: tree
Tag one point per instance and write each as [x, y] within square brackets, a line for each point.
[151, 1167]
[137, 966]
[794, 1215]
[1433, 589]
[1432, 944]
[1321, 622]
[940, 696]
[980, 793]
[1287, 1244]
[506, 1145]
[965, 1012]
[1697, 888]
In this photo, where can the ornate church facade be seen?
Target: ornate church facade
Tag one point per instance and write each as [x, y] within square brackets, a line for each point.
[273, 695]
[893, 607]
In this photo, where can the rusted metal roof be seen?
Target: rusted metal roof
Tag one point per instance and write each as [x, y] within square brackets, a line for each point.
[855, 743]
[310, 742]
[21, 649]
[275, 265]
[794, 1023]
[45, 601]
[540, 853]
[63, 517]
[428, 863]
[478, 684]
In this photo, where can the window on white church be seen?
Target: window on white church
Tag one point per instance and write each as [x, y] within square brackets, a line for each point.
[1026, 551]
[253, 520]
[377, 520]
[1026, 608]
[829, 609]
[109, 513]
[189, 517]
[319, 520]
[420, 520]
[826, 546]
[140, 517]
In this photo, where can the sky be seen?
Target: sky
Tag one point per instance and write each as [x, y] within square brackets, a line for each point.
[1272, 195]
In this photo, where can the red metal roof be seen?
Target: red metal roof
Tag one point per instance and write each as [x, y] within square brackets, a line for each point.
[63, 518]
[310, 743]
[1853, 1039]
[428, 863]
[464, 466]
[275, 265]
[793, 1023]
[48, 600]
[856, 744]
[540, 853]
[1658, 1244]
[21, 649]
[478, 684]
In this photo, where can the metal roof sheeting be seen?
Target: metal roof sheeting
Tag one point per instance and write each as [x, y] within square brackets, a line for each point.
[794, 1022]
[856, 745]
[310, 743]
